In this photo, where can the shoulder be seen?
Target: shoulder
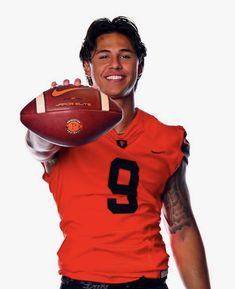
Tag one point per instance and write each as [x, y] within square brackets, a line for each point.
[168, 138]
[163, 132]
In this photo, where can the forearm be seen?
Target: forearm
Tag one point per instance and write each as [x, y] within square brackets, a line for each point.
[189, 253]
[41, 149]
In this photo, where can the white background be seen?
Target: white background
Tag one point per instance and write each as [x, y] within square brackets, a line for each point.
[188, 80]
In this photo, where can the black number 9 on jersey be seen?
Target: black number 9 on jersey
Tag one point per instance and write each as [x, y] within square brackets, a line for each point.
[130, 189]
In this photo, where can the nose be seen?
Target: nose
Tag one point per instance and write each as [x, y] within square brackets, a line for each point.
[116, 62]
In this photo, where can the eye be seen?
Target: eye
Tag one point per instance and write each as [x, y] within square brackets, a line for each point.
[125, 56]
[103, 56]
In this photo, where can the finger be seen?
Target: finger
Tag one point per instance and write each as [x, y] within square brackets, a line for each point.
[66, 82]
[53, 84]
[77, 82]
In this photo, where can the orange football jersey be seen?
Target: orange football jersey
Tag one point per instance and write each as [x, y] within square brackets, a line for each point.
[108, 194]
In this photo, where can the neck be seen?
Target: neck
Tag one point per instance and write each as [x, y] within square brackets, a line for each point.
[128, 110]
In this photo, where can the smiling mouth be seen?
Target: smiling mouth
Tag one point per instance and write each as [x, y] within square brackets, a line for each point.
[114, 77]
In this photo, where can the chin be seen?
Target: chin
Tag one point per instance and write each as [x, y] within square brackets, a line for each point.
[118, 94]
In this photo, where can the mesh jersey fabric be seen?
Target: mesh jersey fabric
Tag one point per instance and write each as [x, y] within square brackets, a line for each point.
[109, 200]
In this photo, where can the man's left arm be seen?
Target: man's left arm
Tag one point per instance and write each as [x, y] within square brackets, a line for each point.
[186, 241]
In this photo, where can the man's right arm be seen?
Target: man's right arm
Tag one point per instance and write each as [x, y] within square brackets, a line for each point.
[42, 150]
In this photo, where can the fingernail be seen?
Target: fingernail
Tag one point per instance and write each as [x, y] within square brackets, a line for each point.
[77, 82]
[66, 82]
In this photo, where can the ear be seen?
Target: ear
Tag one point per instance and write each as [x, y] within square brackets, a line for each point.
[87, 68]
[140, 70]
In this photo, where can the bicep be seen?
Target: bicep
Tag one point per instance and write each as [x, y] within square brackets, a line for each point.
[176, 202]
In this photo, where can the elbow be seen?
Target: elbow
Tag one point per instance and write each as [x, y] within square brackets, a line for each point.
[40, 149]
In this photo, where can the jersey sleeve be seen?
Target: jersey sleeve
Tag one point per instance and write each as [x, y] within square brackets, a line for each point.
[180, 149]
[173, 139]
[185, 148]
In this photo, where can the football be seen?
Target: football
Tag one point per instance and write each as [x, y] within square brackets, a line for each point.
[71, 115]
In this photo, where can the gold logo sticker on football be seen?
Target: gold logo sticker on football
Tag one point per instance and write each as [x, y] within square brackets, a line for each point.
[73, 126]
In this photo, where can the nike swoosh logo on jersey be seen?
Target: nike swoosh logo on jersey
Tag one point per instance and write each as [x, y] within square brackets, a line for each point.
[61, 92]
[157, 152]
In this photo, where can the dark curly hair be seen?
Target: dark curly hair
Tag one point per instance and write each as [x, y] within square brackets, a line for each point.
[120, 24]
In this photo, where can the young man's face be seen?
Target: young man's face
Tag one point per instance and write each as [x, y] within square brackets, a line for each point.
[114, 66]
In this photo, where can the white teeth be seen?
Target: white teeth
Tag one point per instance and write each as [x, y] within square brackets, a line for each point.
[114, 77]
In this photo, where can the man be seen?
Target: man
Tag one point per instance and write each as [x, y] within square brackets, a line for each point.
[110, 192]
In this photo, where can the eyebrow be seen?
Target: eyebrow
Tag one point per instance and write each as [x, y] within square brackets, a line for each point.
[108, 51]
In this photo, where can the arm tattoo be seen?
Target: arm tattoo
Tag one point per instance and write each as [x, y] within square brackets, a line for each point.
[177, 209]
